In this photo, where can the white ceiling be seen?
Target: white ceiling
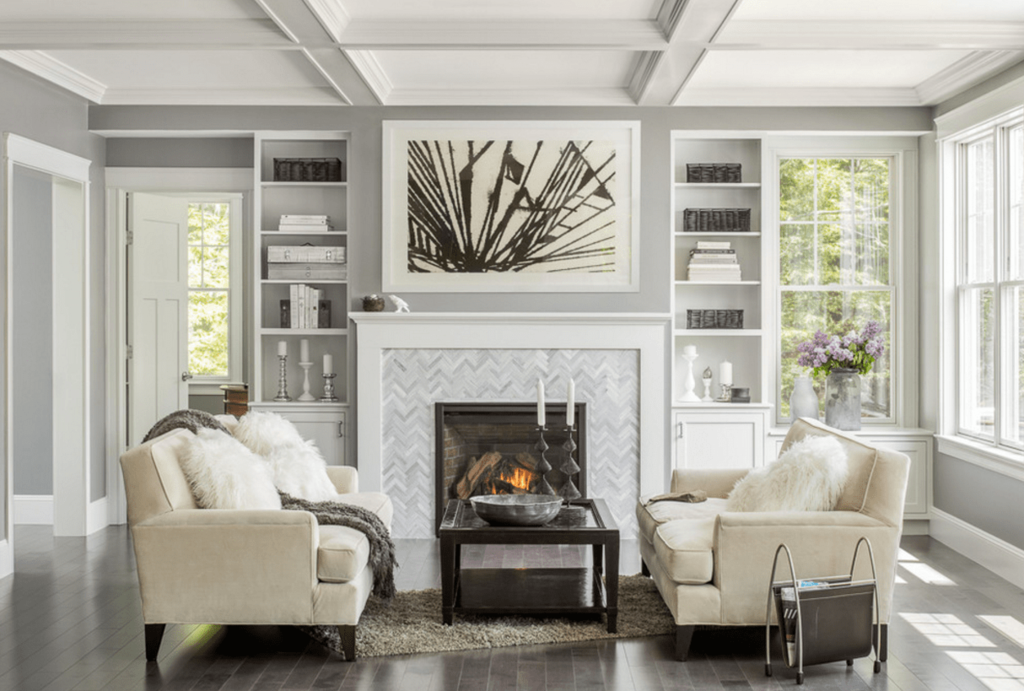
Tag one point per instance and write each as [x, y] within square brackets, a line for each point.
[514, 52]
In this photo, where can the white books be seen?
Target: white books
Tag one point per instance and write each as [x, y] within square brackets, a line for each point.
[293, 299]
[709, 245]
[322, 219]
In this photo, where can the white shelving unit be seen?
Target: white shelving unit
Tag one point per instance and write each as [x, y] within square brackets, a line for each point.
[324, 423]
[694, 423]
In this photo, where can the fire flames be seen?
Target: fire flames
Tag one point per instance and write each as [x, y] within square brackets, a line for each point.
[519, 479]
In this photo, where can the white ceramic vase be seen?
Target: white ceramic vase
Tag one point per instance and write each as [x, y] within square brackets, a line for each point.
[803, 402]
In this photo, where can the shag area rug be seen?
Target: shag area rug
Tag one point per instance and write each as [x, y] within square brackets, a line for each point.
[411, 623]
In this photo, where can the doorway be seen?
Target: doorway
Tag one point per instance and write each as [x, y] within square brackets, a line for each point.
[45, 342]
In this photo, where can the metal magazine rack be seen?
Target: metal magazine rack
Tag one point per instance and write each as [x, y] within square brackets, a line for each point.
[823, 619]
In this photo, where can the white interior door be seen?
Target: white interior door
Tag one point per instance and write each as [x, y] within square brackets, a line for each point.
[158, 310]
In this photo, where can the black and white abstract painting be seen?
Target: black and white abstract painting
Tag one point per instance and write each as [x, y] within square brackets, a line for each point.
[510, 207]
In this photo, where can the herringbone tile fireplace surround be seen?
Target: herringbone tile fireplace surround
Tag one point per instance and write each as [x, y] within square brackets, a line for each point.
[481, 362]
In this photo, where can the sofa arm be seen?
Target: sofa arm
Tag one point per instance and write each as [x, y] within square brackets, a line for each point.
[344, 477]
[228, 567]
[821, 543]
[717, 483]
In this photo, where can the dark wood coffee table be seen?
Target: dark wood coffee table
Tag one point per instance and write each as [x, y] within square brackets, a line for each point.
[534, 591]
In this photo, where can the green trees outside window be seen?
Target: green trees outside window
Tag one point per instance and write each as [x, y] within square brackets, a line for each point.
[835, 268]
[209, 281]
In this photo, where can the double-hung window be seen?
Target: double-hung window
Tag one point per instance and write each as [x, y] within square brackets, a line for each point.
[988, 165]
[837, 264]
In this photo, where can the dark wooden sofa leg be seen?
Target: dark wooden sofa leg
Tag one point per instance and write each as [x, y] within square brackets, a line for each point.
[154, 634]
[644, 570]
[684, 634]
[883, 645]
[348, 642]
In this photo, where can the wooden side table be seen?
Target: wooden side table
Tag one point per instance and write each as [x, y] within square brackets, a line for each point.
[236, 399]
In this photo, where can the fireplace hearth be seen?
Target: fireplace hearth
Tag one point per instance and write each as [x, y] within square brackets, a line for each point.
[491, 448]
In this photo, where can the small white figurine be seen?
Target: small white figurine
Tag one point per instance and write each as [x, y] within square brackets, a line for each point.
[400, 304]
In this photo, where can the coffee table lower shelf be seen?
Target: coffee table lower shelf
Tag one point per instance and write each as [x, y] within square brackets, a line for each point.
[542, 592]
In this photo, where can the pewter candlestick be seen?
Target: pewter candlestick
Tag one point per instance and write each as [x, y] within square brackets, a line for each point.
[543, 466]
[282, 380]
[329, 396]
[569, 467]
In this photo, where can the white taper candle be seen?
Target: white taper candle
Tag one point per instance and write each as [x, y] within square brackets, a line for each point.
[541, 417]
[570, 404]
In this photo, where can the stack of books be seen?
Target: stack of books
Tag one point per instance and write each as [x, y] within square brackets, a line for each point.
[297, 223]
[714, 261]
[305, 308]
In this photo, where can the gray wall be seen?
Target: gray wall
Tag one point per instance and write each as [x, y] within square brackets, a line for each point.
[33, 108]
[32, 338]
[143, 152]
[365, 182]
[985, 499]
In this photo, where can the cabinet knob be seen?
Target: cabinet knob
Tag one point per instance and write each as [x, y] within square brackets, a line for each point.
[341, 428]
[679, 430]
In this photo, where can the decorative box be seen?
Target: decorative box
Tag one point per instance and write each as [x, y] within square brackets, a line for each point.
[714, 172]
[714, 319]
[306, 262]
[307, 170]
[716, 220]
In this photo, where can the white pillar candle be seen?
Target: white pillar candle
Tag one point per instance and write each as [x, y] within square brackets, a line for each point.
[282, 348]
[570, 404]
[725, 373]
[540, 403]
[304, 350]
[328, 364]
[690, 350]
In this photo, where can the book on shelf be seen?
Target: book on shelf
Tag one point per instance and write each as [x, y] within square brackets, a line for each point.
[305, 308]
[712, 245]
[298, 223]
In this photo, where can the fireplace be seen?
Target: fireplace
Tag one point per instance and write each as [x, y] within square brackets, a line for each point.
[490, 448]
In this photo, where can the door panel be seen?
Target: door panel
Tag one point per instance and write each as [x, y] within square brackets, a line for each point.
[158, 315]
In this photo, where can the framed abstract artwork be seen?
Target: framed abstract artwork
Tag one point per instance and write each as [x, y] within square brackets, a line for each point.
[511, 206]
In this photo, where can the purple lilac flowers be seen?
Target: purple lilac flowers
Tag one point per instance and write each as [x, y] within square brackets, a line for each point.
[853, 350]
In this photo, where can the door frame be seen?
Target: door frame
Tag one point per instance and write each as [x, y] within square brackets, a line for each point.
[121, 182]
[27, 153]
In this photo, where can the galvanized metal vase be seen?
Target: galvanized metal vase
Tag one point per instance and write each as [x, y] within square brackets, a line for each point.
[842, 399]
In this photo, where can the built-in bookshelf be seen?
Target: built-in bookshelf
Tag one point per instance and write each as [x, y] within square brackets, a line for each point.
[301, 201]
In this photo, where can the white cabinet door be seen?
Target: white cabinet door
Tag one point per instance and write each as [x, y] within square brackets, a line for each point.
[917, 483]
[325, 428]
[712, 439]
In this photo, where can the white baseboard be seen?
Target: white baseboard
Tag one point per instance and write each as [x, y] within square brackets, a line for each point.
[996, 555]
[915, 526]
[96, 516]
[33, 509]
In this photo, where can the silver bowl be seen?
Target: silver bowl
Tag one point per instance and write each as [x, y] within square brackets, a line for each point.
[516, 509]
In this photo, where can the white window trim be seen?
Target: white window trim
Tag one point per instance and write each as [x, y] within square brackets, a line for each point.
[992, 454]
[902, 209]
[209, 385]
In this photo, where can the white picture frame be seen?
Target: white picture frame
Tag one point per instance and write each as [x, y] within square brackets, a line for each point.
[511, 206]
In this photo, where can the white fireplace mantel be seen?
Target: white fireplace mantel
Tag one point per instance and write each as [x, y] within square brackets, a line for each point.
[645, 333]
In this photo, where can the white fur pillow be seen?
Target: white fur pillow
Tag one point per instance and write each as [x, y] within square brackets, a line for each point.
[296, 464]
[226, 475]
[809, 476]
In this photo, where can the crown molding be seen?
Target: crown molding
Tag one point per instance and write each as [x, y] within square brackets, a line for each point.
[643, 72]
[426, 34]
[965, 73]
[511, 97]
[332, 16]
[799, 96]
[372, 72]
[308, 96]
[868, 35]
[56, 72]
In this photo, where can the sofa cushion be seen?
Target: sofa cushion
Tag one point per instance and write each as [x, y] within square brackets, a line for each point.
[224, 474]
[342, 553]
[298, 467]
[650, 516]
[809, 476]
[860, 458]
[685, 550]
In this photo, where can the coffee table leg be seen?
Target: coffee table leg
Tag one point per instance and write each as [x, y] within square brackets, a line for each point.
[611, 583]
[598, 559]
[449, 564]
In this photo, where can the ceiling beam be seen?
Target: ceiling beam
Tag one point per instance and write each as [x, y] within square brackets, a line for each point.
[798, 96]
[963, 74]
[658, 80]
[598, 34]
[208, 34]
[510, 97]
[870, 35]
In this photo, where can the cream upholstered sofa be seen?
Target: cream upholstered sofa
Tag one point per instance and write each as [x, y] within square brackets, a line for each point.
[203, 566]
[712, 566]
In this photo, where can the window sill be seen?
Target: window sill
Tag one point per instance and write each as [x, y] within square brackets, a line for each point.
[1002, 461]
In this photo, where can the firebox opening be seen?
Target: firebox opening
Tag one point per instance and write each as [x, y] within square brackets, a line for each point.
[491, 448]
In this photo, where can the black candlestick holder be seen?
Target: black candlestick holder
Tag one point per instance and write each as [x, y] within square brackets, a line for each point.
[543, 465]
[568, 491]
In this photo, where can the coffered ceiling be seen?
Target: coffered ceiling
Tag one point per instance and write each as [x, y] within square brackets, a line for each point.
[514, 52]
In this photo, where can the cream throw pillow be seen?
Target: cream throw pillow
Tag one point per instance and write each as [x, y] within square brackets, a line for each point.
[226, 475]
[809, 476]
[297, 466]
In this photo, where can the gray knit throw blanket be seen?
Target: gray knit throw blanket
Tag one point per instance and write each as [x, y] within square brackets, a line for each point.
[191, 420]
[382, 549]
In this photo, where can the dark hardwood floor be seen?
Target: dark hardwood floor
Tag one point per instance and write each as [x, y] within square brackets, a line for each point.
[70, 620]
